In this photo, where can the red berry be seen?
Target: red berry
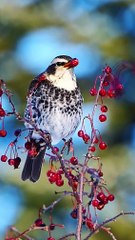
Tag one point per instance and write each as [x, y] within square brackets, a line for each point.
[52, 226]
[38, 222]
[102, 92]
[105, 200]
[89, 223]
[1, 92]
[100, 206]
[17, 132]
[11, 162]
[17, 161]
[105, 83]
[93, 92]
[59, 182]
[2, 112]
[55, 150]
[111, 93]
[104, 108]
[3, 133]
[92, 149]
[58, 176]
[110, 197]
[74, 213]
[74, 160]
[86, 138]
[108, 70]
[50, 238]
[28, 145]
[102, 145]
[101, 196]
[95, 140]
[4, 158]
[100, 174]
[102, 118]
[95, 203]
[75, 185]
[81, 133]
[49, 172]
[52, 177]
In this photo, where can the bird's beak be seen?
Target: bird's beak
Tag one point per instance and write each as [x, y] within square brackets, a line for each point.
[72, 63]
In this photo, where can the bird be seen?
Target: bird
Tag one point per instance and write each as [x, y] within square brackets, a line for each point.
[54, 106]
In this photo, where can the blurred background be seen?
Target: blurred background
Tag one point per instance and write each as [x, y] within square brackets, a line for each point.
[97, 32]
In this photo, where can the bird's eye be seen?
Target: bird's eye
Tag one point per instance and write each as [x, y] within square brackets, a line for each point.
[60, 63]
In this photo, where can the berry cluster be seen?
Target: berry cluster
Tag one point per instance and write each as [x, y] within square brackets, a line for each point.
[101, 200]
[55, 177]
[11, 155]
[111, 86]
[102, 145]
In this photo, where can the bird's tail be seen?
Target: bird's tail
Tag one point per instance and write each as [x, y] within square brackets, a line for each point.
[33, 164]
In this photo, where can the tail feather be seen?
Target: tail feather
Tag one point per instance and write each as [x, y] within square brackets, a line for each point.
[26, 173]
[37, 165]
[33, 165]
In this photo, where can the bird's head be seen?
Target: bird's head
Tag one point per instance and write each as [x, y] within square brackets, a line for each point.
[60, 72]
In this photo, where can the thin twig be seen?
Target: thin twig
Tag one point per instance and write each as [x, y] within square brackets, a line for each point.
[67, 236]
[113, 219]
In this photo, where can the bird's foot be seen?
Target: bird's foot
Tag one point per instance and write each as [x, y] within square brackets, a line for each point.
[67, 144]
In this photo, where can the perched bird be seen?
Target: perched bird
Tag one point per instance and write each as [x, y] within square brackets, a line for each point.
[54, 105]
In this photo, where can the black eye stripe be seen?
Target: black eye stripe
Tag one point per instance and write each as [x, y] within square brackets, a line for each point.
[60, 63]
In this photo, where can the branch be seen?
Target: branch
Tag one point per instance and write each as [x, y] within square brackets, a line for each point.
[113, 219]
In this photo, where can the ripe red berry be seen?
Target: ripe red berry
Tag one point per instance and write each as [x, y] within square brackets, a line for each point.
[4, 158]
[17, 161]
[50, 238]
[110, 197]
[92, 149]
[89, 223]
[28, 145]
[100, 206]
[3, 133]
[95, 203]
[74, 160]
[95, 140]
[58, 176]
[105, 200]
[50, 172]
[93, 92]
[86, 138]
[51, 226]
[17, 132]
[75, 185]
[11, 162]
[111, 93]
[108, 70]
[38, 222]
[59, 182]
[52, 177]
[102, 92]
[80, 133]
[74, 213]
[101, 196]
[102, 118]
[104, 108]
[102, 145]
[55, 150]
[2, 112]
[100, 173]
